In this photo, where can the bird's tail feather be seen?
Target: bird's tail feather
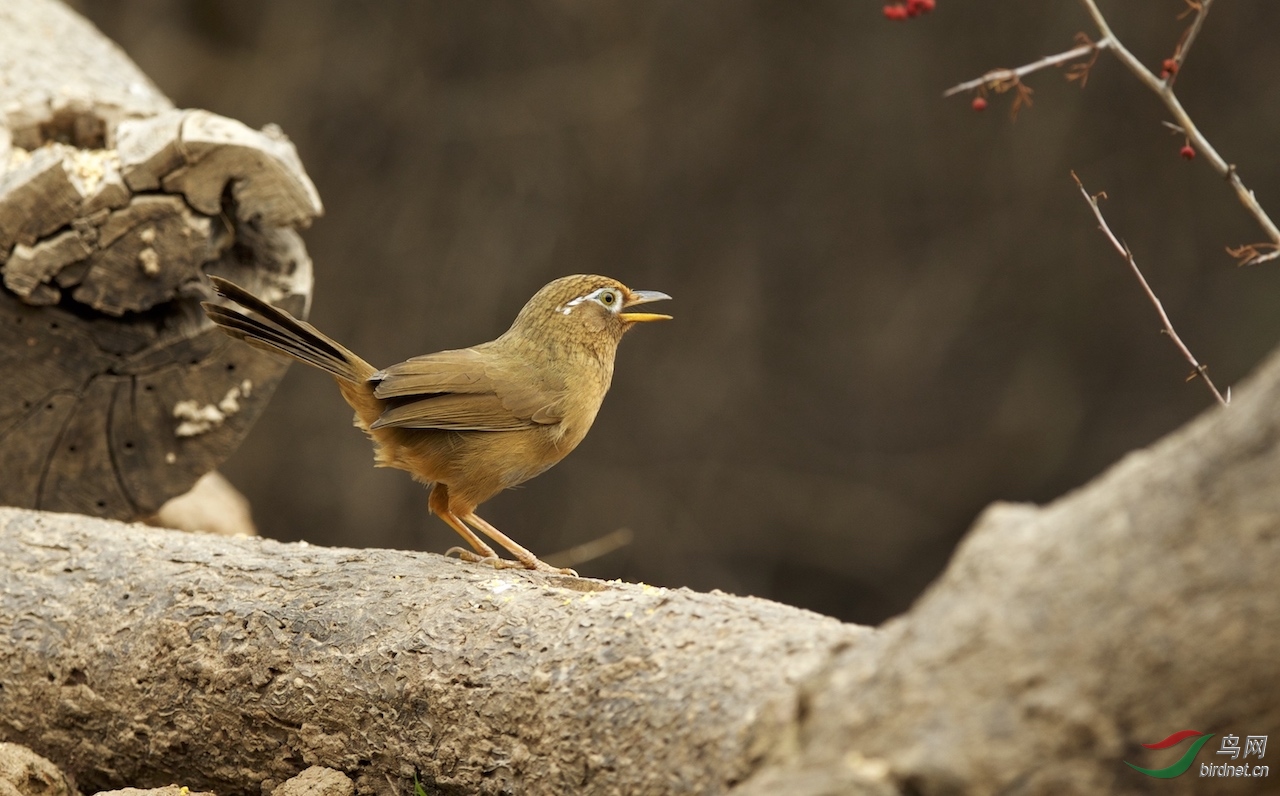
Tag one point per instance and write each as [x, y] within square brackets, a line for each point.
[277, 331]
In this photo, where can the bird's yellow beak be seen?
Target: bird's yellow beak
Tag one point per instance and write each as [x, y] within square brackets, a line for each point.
[635, 297]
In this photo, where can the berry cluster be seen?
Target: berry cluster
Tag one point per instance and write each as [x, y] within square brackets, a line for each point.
[909, 9]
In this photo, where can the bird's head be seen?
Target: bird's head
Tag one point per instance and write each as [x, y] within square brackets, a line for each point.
[585, 308]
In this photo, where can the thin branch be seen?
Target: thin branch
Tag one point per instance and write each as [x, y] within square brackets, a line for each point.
[1198, 369]
[1004, 79]
[1201, 8]
[1005, 76]
[1164, 90]
[589, 551]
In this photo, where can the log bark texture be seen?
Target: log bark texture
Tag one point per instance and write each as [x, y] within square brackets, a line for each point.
[1058, 641]
[113, 205]
[134, 655]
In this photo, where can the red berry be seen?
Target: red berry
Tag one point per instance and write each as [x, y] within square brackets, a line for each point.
[928, 5]
[1169, 67]
[1188, 152]
[979, 103]
[914, 8]
[896, 11]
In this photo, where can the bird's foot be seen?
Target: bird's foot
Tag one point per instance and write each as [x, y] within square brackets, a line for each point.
[470, 557]
[494, 561]
[538, 565]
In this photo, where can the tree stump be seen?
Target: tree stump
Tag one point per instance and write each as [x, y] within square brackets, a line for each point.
[113, 206]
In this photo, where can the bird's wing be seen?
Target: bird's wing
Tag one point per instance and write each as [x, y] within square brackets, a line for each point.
[458, 371]
[467, 390]
[453, 412]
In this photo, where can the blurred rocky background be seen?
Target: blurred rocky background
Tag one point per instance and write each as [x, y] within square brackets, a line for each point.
[891, 310]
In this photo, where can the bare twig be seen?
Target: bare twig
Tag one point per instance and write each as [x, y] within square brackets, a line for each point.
[998, 77]
[1164, 90]
[1201, 9]
[589, 551]
[1198, 369]
[1004, 79]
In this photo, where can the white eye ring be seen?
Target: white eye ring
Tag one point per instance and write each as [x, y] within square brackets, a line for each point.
[609, 298]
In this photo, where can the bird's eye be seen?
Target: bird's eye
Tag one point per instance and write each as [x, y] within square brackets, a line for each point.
[609, 298]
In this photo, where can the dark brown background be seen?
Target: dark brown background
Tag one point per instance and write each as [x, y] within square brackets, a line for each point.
[890, 310]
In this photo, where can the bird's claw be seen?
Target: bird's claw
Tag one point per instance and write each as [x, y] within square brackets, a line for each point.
[470, 557]
[534, 565]
[542, 566]
[494, 561]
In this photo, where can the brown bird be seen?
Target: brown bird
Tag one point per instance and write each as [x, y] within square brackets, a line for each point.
[471, 422]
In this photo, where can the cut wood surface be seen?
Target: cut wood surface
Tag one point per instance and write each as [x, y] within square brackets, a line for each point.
[113, 206]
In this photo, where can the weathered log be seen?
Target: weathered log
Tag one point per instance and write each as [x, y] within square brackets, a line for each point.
[1060, 639]
[139, 656]
[113, 205]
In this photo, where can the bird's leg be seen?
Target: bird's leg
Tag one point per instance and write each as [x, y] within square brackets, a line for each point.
[484, 553]
[527, 559]
[438, 502]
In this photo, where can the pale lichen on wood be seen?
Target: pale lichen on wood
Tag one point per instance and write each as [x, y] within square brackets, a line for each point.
[199, 419]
